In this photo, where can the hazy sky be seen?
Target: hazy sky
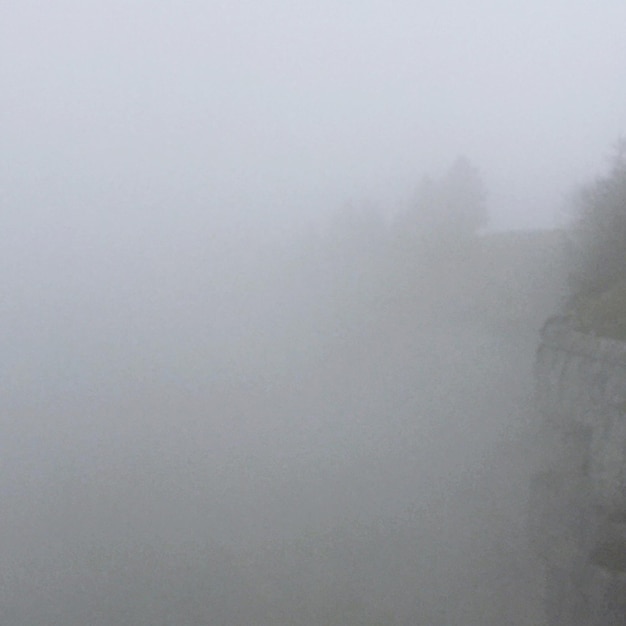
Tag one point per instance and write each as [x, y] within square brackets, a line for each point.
[265, 110]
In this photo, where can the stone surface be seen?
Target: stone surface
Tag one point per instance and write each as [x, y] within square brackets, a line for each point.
[577, 516]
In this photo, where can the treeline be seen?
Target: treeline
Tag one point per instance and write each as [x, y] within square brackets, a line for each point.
[597, 252]
[361, 266]
[431, 259]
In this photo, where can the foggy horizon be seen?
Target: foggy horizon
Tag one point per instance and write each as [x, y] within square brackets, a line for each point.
[267, 114]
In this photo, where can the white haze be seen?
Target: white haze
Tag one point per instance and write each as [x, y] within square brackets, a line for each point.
[272, 110]
[221, 403]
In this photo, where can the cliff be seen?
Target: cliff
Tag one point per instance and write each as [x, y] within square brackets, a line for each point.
[578, 499]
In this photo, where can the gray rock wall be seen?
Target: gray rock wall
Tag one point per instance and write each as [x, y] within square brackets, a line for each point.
[578, 499]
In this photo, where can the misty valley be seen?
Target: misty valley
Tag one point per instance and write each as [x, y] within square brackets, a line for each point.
[336, 432]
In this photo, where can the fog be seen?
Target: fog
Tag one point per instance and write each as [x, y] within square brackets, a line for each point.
[330, 435]
[244, 380]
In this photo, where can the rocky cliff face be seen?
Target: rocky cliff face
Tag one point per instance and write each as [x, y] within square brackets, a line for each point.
[578, 500]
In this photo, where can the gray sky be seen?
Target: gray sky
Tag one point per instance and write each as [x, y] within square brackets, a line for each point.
[272, 110]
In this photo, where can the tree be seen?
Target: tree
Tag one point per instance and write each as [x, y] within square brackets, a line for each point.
[598, 236]
[450, 208]
[463, 198]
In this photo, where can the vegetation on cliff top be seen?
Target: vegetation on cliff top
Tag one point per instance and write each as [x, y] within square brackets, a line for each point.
[598, 252]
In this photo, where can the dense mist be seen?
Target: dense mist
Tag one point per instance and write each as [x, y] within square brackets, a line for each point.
[336, 431]
[271, 285]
